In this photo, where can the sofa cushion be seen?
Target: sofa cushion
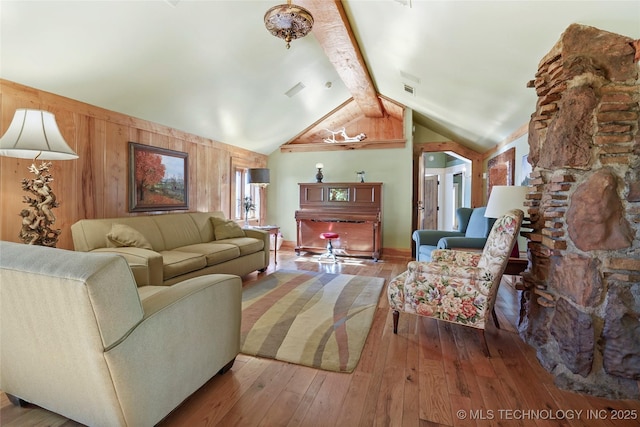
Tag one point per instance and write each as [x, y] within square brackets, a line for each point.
[176, 263]
[224, 229]
[123, 235]
[247, 245]
[214, 252]
[203, 223]
[424, 252]
[479, 225]
[176, 230]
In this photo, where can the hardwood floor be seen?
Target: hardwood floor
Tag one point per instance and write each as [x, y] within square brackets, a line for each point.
[430, 374]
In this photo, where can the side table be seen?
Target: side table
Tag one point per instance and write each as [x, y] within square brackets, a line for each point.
[515, 266]
[274, 230]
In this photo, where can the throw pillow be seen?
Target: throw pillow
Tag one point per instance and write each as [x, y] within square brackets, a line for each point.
[224, 229]
[123, 235]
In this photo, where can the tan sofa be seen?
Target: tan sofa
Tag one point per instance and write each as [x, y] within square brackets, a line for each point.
[76, 338]
[170, 248]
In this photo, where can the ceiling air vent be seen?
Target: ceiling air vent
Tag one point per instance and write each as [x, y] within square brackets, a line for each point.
[409, 89]
[294, 90]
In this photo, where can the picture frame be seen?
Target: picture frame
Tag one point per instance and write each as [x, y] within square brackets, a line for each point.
[339, 194]
[501, 169]
[158, 179]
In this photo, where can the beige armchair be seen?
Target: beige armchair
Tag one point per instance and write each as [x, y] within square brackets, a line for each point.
[76, 338]
[457, 286]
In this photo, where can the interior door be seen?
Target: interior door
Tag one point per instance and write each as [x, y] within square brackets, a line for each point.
[418, 217]
[430, 203]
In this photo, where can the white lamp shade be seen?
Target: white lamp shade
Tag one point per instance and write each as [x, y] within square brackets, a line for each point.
[504, 198]
[35, 133]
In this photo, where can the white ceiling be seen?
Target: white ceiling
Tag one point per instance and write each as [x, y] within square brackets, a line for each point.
[210, 67]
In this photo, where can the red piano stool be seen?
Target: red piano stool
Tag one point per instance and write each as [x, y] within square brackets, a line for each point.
[329, 253]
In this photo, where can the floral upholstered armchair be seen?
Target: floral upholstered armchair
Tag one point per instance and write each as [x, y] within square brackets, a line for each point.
[457, 286]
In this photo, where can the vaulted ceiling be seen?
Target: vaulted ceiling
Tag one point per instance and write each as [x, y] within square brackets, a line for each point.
[210, 67]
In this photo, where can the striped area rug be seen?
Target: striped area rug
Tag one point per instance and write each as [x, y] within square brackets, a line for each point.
[308, 318]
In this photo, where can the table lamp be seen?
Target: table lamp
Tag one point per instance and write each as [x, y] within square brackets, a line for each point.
[261, 178]
[504, 198]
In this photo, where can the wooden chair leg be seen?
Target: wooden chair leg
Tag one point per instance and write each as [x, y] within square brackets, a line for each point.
[396, 315]
[485, 348]
[495, 318]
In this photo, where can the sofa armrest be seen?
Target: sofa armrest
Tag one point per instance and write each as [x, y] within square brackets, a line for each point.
[456, 257]
[261, 235]
[189, 331]
[431, 237]
[446, 270]
[461, 242]
[257, 234]
[470, 278]
[146, 265]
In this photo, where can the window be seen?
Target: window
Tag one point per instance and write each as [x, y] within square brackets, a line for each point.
[242, 191]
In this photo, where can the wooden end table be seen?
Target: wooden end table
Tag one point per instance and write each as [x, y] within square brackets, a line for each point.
[274, 230]
[515, 266]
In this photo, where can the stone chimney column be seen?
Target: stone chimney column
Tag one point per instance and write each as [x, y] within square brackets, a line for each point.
[581, 304]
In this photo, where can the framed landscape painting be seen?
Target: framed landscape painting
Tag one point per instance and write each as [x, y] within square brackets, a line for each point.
[158, 179]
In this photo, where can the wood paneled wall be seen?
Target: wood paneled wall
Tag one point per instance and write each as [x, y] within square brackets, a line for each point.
[96, 184]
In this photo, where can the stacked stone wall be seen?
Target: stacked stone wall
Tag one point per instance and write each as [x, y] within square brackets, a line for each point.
[581, 304]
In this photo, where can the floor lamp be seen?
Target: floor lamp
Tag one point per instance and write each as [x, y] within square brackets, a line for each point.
[261, 178]
[34, 134]
[504, 198]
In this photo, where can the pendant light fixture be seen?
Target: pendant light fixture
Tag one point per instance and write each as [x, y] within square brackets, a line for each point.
[288, 22]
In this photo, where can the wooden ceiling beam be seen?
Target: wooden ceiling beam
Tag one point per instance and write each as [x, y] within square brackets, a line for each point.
[333, 30]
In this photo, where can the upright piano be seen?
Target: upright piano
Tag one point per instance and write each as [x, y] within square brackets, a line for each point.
[351, 209]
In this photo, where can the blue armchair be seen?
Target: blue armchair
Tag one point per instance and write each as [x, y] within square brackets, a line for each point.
[473, 230]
